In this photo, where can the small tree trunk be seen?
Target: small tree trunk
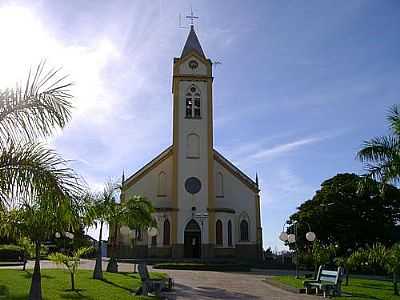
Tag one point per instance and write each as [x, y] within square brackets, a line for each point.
[98, 270]
[347, 278]
[73, 281]
[35, 292]
[25, 261]
[113, 264]
[396, 290]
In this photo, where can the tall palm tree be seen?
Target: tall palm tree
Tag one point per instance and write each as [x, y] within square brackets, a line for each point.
[135, 212]
[381, 155]
[31, 174]
[103, 203]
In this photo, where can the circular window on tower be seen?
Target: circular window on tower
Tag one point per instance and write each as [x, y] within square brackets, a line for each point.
[193, 64]
[192, 185]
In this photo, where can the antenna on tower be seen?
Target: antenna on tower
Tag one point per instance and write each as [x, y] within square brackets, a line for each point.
[191, 17]
[216, 63]
[180, 23]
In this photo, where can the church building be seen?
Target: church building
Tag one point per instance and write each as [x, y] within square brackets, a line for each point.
[205, 207]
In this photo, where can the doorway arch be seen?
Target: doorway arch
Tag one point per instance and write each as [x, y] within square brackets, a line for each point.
[192, 240]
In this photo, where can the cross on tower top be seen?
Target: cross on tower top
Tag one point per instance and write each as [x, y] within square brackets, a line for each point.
[191, 17]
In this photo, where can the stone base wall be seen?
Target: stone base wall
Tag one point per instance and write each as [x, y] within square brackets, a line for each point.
[178, 251]
[247, 252]
[159, 252]
[242, 252]
[224, 252]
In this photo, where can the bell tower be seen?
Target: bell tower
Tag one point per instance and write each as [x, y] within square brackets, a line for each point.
[193, 182]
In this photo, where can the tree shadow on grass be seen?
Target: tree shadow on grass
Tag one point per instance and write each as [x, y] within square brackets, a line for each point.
[375, 286]
[4, 293]
[28, 274]
[359, 296]
[69, 294]
[118, 286]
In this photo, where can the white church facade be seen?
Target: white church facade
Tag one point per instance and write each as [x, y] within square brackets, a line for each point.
[205, 207]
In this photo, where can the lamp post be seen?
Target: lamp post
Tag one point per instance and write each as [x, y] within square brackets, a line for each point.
[292, 239]
[202, 217]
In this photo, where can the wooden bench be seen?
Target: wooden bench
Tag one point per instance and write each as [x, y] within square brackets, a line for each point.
[328, 282]
[160, 287]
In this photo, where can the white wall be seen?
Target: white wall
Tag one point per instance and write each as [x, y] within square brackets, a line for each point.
[239, 197]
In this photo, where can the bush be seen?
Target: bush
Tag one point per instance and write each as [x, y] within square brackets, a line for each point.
[11, 252]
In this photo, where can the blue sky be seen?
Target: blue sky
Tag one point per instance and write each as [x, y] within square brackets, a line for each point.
[301, 84]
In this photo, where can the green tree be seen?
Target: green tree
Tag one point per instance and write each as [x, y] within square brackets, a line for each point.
[34, 179]
[393, 265]
[102, 204]
[29, 248]
[381, 155]
[39, 221]
[134, 212]
[70, 262]
[321, 255]
[342, 214]
[27, 114]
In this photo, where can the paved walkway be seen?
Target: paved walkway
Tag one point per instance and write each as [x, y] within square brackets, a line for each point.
[206, 285]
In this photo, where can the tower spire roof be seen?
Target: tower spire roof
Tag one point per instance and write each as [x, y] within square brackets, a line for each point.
[192, 43]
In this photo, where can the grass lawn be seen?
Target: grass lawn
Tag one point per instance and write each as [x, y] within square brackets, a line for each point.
[358, 288]
[15, 284]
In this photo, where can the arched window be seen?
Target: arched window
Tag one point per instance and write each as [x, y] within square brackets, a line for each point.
[193, 102]
[220, 185]
[193, 146]
[244, 230]
[218, 233]
[229, 233]
[162, 182]
[166, 233]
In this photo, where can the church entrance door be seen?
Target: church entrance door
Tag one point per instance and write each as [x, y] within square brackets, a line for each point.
[192, 240]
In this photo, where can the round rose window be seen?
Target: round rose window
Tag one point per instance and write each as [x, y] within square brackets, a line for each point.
[192, 185]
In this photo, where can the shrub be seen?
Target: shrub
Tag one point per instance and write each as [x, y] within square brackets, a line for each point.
[11, 252]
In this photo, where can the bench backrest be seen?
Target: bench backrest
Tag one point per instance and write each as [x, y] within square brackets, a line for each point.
[143, 272]
[330, 276]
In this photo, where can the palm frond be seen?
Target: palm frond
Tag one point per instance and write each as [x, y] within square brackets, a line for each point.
[29, 171]
[379, 148]
[36, 110]
[394, 119]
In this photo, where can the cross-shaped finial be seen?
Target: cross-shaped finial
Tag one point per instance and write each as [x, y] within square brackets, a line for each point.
[191, 17]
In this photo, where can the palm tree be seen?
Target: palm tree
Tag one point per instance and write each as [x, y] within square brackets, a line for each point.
[103, 203]
[70, 262]
[381, 155]
[34, 179]
[135, 213]
[39, 222]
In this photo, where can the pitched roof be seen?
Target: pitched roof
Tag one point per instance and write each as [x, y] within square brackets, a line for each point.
[236, 171]
[148, 167]
[192, 44]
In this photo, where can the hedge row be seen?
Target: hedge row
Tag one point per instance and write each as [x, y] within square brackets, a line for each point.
[11, 252]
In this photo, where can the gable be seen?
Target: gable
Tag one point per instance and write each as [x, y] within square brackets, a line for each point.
[236, 172]
[147, 168]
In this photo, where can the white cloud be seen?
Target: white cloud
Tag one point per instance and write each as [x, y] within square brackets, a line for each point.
[284, 148]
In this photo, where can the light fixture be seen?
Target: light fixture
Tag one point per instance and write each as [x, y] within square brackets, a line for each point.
[283, 236]
[310, 236]
[152, 231]
[291, 238]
